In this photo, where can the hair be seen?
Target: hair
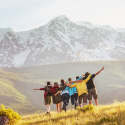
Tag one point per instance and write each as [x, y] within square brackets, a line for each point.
[48, 83]
[69, 79]
[62, 81]
[55, 84]
[77, 77]
[87, 73]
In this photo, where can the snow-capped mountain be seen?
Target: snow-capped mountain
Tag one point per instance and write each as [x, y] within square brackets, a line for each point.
[93, 26]
[60, 40]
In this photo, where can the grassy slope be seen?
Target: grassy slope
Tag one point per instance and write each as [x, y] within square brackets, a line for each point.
[19, 82]
[112, 114]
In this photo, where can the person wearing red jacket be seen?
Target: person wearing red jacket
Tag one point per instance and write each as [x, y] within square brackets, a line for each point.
[47, 96]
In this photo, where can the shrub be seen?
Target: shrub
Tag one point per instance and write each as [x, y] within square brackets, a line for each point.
[11, 115]
[86, 108]
[105, 119]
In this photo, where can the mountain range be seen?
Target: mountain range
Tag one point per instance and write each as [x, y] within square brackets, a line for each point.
[59, 41]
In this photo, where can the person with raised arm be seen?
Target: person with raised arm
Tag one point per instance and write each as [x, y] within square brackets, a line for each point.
[91, 87]
[81, 89]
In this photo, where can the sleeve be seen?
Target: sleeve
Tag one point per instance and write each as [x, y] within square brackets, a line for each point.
[92, 76]
[42, 88]
[74, 85]
[87, 79]
[47, 89]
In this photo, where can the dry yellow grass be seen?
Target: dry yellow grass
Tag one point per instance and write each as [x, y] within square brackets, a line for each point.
[113, 114]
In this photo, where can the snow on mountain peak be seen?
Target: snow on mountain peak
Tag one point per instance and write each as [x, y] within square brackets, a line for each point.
[5, 30]
[60, 40]
[93, 26]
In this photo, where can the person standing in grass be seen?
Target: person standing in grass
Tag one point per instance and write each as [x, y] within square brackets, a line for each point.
[75, 96]
[47, 97]
[73, 92]
[91, 87]
[81, 89]
[65, 95]
[56, 95]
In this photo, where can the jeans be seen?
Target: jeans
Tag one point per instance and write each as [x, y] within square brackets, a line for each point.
[74, 97]
[65, 98]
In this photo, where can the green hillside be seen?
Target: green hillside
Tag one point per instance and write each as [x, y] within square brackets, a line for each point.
[17, 84]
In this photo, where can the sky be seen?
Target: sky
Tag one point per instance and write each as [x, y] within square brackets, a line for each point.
[22, 15]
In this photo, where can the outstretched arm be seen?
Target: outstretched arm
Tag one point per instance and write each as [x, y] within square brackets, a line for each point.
[76, 81]
[68, 84]
[39, 89]
[99, 71]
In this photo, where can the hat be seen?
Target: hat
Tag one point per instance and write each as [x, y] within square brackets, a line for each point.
[55, 84]
[87, 73]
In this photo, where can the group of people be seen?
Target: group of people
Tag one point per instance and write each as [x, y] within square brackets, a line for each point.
[82, 89]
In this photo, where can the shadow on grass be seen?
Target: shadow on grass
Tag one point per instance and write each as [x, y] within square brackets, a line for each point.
[52, 119]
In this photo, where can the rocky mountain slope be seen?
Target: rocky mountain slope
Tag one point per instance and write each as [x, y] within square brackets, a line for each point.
[60, 40]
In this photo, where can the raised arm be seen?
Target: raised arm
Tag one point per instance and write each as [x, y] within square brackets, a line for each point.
[99, 71]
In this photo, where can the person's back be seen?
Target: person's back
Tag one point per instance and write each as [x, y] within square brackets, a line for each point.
[91, 87]
[81, 89]
[65, 95]
[81, 86]
[90, 84]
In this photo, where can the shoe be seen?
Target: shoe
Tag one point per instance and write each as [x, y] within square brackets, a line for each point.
[48, 113]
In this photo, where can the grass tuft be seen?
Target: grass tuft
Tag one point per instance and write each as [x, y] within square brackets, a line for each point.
[86, 108]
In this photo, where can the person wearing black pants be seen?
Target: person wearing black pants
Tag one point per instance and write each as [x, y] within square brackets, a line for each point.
[74, 97]
[65, 95]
